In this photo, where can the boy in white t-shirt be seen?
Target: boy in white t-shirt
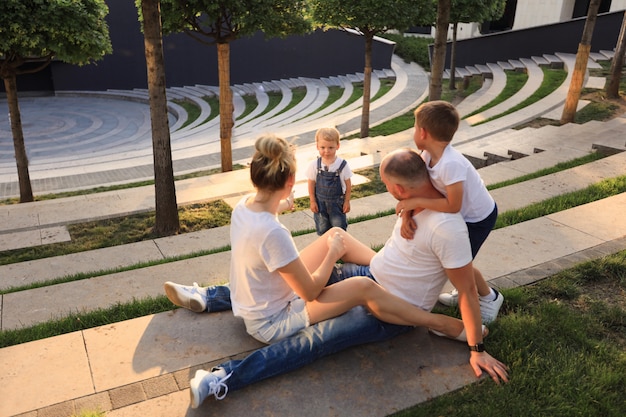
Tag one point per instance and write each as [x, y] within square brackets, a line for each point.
[329, 183]
[463, 191]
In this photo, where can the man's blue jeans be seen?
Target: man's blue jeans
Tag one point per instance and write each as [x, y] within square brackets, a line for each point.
[353, 328]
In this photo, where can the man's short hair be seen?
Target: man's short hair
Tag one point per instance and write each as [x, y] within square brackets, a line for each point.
[405, 166]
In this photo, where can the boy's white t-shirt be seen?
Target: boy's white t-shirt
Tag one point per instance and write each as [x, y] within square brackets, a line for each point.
[414, 270]
[453, 167]
[345, 174]
[260, 245]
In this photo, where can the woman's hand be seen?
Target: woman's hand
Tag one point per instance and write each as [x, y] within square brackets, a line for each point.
[336, 245]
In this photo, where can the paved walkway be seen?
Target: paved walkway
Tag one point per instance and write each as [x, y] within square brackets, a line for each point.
[142, 366]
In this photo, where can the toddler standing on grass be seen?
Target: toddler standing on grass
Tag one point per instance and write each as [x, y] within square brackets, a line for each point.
[462, 188]
[329, 183]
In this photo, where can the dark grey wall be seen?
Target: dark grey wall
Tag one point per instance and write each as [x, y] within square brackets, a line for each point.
[548, 39]
[189, 62]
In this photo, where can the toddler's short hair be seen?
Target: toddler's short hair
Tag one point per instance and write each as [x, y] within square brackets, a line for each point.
[329, 134]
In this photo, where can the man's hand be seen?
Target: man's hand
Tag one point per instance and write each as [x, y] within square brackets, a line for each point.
[314, 207]
[482, 361]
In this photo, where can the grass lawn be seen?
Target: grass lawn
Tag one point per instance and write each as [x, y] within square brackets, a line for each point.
[564, 339]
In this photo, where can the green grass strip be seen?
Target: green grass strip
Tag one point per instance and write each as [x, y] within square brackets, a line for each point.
[594, 192]
[251, 104]
[552, 80]
[561, 166]
[564, 343]
[514, 83]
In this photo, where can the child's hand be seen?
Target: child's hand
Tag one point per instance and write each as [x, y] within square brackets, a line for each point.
[346, 206]
[400, 207]
[408, 228]
[336, 245]
[289, 203]
[314, 207]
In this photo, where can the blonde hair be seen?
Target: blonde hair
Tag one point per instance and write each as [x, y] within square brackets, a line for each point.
[274, 161]
[439, 118]
[329, 134]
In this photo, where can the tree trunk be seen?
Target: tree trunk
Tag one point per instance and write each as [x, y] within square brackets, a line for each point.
[580, 66]
[226, 105]
[21, 159]
[452, 84]
[167, 221]
[439, 52]
[612, 89]
[367, 86]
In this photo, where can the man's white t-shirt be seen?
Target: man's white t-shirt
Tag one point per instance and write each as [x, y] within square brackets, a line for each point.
[453, 167]
[260, 245]
[414, 270]
[345, 174]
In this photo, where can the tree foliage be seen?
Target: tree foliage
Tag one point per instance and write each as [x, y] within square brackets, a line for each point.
[32, 34]
[371, 18]
[468, 11]
[373, 15]
[37, 31]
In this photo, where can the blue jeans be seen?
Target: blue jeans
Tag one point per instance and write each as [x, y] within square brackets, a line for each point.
[353, 328]
[330, 215]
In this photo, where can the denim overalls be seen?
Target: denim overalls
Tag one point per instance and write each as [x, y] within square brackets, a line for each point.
[329, 196]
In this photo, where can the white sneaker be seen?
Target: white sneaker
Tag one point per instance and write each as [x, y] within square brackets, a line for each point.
[449, 299]
[206, 383]
[193, 298]
[489, 309]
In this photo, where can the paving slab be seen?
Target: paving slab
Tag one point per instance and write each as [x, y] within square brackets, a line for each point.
[138, 349]
[530, 243]
[603, 219]
[30, 373]
[31, 238]
[39, 270]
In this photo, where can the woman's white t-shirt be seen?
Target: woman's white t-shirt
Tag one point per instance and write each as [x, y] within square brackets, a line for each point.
[453, 167]
[260, 245]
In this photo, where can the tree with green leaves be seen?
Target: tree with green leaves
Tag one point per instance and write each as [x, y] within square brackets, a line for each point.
[468, 11]
[371, 18]
[32, 34]
[219, 22]
[167, 221]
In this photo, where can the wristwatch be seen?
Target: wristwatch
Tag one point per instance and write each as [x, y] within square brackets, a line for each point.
[478, 347]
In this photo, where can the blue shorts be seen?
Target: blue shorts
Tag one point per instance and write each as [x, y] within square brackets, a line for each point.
[287, 322]
[295, 317]
[479, 231]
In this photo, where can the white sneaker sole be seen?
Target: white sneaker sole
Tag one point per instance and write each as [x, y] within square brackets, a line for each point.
[194, 389]
[173, 295]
